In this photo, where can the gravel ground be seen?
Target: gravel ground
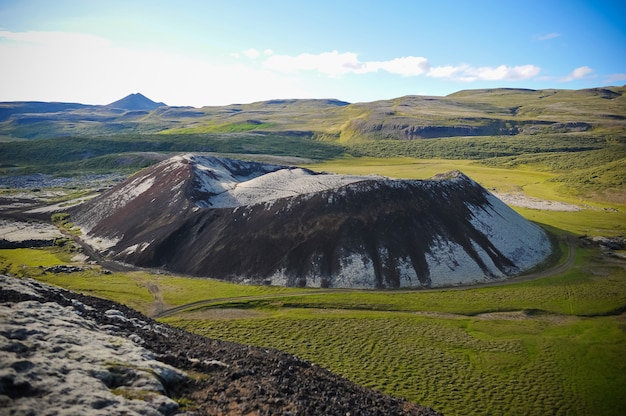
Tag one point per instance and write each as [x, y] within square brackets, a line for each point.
[523, 201]
[20, 230]
[41, 181]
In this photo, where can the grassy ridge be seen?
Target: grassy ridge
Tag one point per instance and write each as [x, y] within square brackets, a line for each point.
[482, 147]
[221, 128]
[73, 155]
[466, 113]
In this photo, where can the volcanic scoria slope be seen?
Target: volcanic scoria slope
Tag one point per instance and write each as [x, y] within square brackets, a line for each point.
[268, 224]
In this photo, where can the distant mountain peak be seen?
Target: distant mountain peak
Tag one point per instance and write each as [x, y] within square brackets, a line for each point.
[136, 101]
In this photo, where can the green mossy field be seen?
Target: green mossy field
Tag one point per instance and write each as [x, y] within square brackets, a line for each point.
[510, 364]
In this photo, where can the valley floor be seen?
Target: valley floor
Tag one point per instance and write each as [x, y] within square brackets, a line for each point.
[551, 345]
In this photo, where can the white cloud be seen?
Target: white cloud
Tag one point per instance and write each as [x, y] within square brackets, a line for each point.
[406, 66]
[578, 73]
[548, 36]
[506, 73]
[335, 63]
[469, 73]
[449, 71]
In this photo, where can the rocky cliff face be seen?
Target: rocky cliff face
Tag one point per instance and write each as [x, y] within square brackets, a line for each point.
[65, 353]
[269, 224]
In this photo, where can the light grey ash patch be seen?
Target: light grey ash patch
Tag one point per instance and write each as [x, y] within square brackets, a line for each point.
[11, 230]
[41, 181]
[524, 201]
[47, 350]
[25, 286]
[528, 245]
[230, 183]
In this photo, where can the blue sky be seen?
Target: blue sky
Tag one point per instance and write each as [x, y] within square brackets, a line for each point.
[221, 52]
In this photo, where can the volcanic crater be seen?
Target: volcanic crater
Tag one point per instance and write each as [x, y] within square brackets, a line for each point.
[262, 223]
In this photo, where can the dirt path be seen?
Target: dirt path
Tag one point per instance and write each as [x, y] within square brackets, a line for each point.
[94, 255]
[557, 269]
[158, 305]
[206, 302]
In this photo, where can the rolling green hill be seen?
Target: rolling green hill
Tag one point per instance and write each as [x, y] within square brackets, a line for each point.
[465, 113]
[578, 134]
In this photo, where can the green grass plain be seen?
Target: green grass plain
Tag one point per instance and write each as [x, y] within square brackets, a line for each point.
[548, 346]
[554, 345]
[458, 365]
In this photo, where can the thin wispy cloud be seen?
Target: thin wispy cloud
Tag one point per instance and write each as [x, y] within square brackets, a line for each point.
[405, 66]
[615, 78]
[548, 36]
[329, 63]
[55, 39]
[253, 53]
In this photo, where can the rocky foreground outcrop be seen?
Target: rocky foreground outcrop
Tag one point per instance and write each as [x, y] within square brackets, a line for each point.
[65, 353]
[280, 225]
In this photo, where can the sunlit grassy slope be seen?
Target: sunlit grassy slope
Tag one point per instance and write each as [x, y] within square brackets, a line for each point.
[487, 110]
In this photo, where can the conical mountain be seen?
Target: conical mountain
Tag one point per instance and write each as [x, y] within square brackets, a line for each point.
[136, 101]
[269, 224]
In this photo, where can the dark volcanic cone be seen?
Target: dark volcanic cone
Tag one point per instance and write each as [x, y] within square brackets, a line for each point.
[261, 223]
